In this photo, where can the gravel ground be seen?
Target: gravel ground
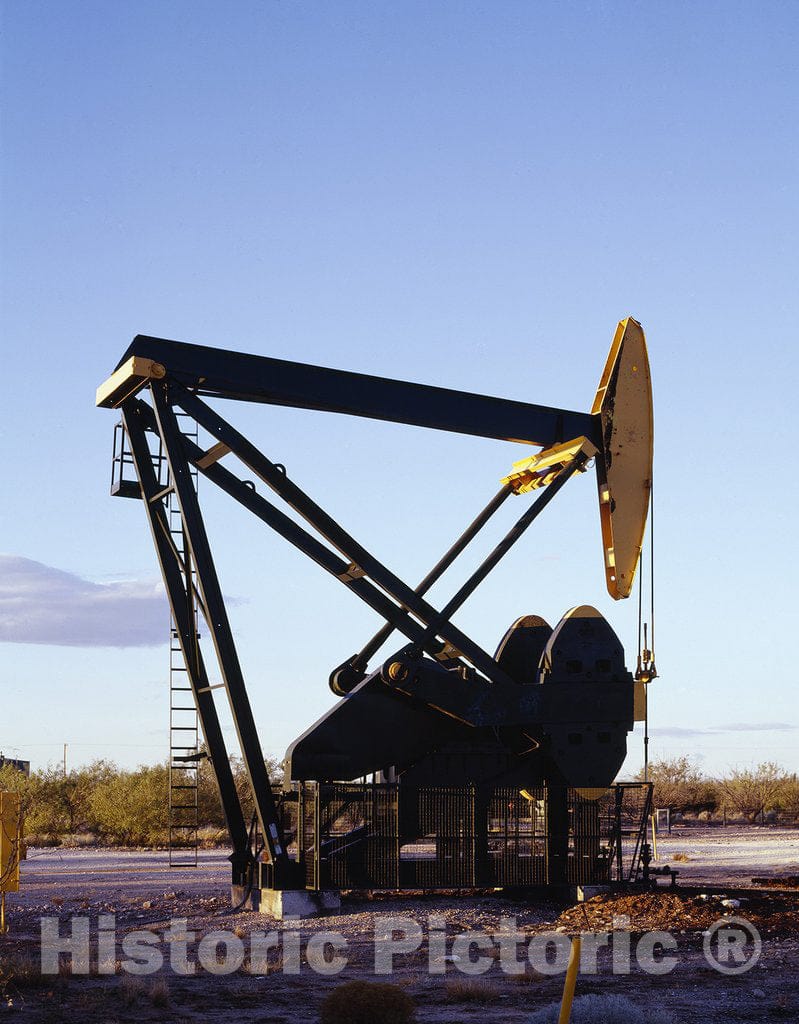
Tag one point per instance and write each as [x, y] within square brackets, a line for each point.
[733, 855]
[141, 893]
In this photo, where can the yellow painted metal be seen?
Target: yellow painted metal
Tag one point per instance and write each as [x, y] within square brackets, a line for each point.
[213, 455]
[654, 837]
[570, 984]
[639, 701]
[540, 470]
[127, 380]
[592, 792]
[624, 466]
[10, 841]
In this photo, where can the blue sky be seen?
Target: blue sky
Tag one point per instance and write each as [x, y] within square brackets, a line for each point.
[465, 194]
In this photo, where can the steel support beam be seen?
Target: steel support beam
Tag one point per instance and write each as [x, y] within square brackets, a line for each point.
[219, 627]
[251, 378]
[526, 519]
[137, 417]
[344, 678]
[360, 562]
[310, 546]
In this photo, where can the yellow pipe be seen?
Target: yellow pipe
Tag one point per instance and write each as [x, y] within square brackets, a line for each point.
[654, 839]
[571, 982]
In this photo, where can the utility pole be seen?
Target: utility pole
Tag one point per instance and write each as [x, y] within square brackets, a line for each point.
[65, 760]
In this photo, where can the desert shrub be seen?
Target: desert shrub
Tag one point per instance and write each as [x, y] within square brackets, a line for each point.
[753, 791]
[20, 971]
[275, 769]
[209, 808]
[367, 1002]
[471, 990]
[211, 836]
[680, 786]
[787, 802]
[159, 992]
[132, 807]
[79, 840]
[41, 840]
[130, 990]
[55, 803]
[599, 1009]
[102, 801]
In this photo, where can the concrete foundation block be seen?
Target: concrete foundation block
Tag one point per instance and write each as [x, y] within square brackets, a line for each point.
[581, 893]
[281, 903]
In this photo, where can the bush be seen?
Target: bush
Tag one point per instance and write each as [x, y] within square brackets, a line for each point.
[597, 1009]
[367, 1002]
[680, 786]
[103, 802]
[56, 804]
[19, 971]
[787, 803]
[471, 990]
[132, 807]
[753, 791]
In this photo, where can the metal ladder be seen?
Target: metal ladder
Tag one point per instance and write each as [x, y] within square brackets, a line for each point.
[184, 734]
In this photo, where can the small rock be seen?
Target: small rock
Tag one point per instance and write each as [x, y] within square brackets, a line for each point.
[147, 905]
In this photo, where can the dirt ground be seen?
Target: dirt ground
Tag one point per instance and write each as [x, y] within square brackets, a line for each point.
[128, 892]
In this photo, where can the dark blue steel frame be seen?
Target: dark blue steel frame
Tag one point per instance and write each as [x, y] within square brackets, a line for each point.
[192, 371]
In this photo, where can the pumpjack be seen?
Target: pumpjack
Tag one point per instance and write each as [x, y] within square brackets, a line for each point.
[484, 769]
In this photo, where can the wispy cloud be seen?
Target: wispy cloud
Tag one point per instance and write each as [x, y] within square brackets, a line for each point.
[714, 730]
[43, 605]
[676, 730]
[759, 727]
